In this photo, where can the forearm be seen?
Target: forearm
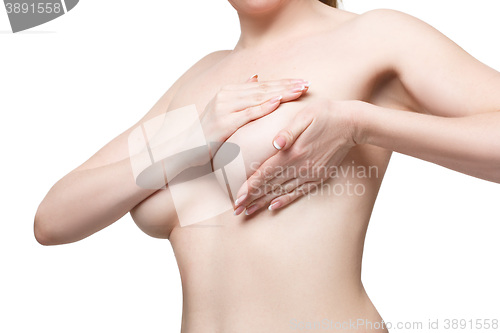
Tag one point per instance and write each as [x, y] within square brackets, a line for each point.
[470, 144]
[86, 201]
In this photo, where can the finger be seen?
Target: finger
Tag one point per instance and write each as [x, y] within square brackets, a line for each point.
[251, 84]
[253, 187]
[242, 100]
[287, 136]
[280, 191]
[286, 199]
[254, 78]
[290, 90]
[274, 192]
[282, 181]
[260, 203]
[288, 186]
[276, 186]
[256, 112]
[278, 179]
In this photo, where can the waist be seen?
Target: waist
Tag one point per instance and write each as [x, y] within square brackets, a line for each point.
[301, 262]
[297, 310]
[288, 255]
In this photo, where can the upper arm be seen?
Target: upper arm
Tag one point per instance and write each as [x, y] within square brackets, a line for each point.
[117, 149]
[443, 78]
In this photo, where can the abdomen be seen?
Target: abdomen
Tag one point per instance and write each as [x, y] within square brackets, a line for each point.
[304, 260]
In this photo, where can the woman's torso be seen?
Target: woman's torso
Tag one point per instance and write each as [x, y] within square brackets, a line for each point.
[279, 271]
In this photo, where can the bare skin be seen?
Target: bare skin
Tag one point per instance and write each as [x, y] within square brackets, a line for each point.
[275, 271]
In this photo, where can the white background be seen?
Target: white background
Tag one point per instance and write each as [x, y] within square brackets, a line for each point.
[71, 85]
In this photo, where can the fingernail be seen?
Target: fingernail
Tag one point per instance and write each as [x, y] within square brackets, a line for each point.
[279, 143]
[239, 210]
[251, 209]
[274, 206]
[240, 199]
[299, 89]
[307, 84]
[276, 99]
[254, 76]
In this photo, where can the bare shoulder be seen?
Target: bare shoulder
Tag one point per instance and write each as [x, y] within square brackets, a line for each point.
[395, 37]
[381, 24]
[398, 29]
[195, 70]
[389, 19]
[204, 63]
[443, 78]
[117, 149]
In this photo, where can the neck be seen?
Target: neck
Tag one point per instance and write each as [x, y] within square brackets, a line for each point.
[286, 20]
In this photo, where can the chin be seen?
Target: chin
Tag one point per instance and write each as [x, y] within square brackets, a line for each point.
[256, 6]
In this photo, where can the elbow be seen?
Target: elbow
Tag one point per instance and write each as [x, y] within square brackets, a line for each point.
[42, 230]
[51, 227]
[42, 236]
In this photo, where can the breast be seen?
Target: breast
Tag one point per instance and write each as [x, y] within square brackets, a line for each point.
[155, 215]
[255, 139]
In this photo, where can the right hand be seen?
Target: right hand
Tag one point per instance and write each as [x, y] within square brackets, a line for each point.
[235, 105]
[232, 107]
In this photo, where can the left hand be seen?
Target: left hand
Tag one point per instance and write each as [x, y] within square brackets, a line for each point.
[318, 139]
